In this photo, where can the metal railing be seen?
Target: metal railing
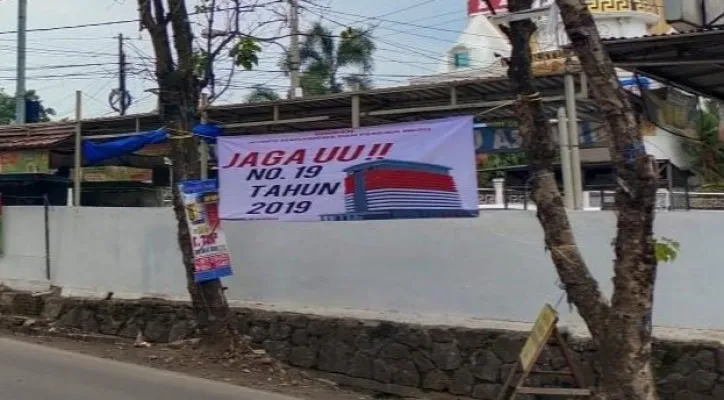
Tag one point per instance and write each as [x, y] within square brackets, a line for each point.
[601, 198]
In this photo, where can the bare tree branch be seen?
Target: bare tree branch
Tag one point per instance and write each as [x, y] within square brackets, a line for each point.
[226, 85]
[159, 37]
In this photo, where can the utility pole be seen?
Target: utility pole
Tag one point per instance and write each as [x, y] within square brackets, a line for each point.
[574, 140]
[20, 78]
[78, 155]
[203, 146]
[295, 90]
[569, 198]
[122, 103]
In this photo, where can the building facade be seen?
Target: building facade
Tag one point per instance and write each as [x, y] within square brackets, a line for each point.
[481, 49]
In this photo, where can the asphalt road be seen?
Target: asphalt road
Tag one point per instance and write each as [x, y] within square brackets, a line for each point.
[33, 372]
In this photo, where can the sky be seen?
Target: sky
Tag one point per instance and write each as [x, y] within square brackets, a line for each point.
[411, 37]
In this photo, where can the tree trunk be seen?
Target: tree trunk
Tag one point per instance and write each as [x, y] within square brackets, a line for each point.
[626, 352]
[581, 288]
[208, 300]
[622, 329]
[178, 100]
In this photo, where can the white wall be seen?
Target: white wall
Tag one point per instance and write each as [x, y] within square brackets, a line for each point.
[23, 261]
[123, 250]
[492, 267]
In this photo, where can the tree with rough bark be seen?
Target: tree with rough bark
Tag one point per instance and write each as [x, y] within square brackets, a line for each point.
[183, 68]
[621, 326]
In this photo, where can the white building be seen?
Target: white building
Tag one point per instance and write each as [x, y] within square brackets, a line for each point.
[480, 49]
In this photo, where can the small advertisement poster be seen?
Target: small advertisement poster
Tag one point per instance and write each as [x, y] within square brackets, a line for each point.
[211, 254]
[2, 230]
[411, 170]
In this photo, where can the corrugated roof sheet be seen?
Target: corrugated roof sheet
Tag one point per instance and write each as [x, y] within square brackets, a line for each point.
[690, 60]
[694, 32]
[28, 142]
[411, 102]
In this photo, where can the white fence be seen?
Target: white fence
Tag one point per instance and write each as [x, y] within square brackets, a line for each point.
[500, 197]
[491, 267]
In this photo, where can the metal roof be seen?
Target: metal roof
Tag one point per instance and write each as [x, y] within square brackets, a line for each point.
[24, 142]
[692, 61]
[488, 98]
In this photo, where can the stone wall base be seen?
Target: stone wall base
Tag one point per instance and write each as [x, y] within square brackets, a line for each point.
[384, 356]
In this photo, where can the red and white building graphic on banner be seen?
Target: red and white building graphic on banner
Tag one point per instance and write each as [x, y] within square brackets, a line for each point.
[481, 6]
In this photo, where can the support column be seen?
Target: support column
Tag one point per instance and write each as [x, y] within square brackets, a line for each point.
[565, 152]
[574, 141]
[355, 111]
[499, 186]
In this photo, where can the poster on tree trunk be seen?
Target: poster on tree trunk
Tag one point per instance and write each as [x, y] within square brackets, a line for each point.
[2, 230]
[412, 170]
[211, 254]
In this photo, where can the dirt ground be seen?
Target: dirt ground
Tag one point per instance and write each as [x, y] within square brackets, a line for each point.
[257, 371]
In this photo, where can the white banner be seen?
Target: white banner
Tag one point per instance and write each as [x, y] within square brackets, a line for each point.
[411, 170]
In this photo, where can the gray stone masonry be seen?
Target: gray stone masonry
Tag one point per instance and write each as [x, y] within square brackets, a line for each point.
[462, 362]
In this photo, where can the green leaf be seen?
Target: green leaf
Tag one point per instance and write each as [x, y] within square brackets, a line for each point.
[200, 62]
[666, 250]
[246, 53]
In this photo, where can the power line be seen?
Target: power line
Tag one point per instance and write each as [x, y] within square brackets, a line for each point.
[79, 26]
[413, 49]
[400, 10]
[64, 52]
[57, 66]
[104, 23]
[93, 75]
[348, 15]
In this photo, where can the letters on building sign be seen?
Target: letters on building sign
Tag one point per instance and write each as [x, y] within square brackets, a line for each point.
[502, 139]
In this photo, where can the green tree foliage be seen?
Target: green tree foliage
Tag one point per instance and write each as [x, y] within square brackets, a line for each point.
[707, 149]
[261, 93]
[7, 107]
[331, 63]
[487, 169]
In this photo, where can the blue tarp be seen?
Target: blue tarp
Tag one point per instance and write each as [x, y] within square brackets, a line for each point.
[96, 151]
[208, 132]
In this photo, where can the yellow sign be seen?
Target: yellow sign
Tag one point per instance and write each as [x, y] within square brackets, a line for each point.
[542, 329]
[24, 161]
